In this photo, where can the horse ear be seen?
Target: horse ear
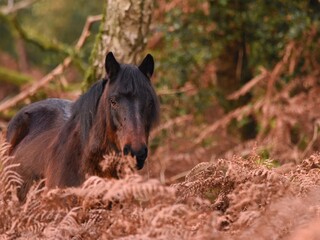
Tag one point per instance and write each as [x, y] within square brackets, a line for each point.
[147, 66]
[111, 65]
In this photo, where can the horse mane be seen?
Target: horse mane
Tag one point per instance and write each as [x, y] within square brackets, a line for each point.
[85, 108]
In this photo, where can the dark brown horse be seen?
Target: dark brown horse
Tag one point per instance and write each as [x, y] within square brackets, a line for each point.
[63, 141]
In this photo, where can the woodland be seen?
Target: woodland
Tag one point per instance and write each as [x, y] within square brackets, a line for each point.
[236, 152]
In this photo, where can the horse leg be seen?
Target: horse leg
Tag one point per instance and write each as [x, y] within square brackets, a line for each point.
[23, 190]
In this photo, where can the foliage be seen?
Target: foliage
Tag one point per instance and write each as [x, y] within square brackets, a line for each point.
[48, 36]
[219, 45]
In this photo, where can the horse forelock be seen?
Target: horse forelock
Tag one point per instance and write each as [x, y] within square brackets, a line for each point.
[132, 82]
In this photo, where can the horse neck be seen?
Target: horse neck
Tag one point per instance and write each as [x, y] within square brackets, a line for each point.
[101, 141]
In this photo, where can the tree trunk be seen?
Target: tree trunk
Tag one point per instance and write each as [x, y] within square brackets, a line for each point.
[123, 31]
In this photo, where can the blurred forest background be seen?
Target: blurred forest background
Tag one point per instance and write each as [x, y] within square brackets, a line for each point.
[232, 76]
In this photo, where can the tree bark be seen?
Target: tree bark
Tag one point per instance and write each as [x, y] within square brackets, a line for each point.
[123, 31]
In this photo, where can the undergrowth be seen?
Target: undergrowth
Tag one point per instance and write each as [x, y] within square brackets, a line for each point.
[267, 188]
[235, 198]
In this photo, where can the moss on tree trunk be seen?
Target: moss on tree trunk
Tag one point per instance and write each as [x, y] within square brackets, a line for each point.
[13, 77]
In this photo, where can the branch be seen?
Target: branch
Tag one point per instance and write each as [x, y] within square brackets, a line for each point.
[245, 110]
[170, 123]
[33, 88]
[313, 140]
[35, 38]
[249, 85]
[18, 6]
[162, 92]
[86, 30]
[55, 72]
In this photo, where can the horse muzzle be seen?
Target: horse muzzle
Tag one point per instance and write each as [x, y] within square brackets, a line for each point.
[140, 154]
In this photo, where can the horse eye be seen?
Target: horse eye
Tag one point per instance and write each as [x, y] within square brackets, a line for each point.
[150, 104]
[113, 102]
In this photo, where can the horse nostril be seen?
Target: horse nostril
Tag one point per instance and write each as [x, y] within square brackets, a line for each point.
[141, 156]
[126, 149]
[143, 152]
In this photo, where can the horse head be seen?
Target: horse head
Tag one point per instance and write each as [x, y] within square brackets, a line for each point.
[132, 106]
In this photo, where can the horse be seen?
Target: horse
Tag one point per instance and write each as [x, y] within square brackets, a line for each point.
[63, 141]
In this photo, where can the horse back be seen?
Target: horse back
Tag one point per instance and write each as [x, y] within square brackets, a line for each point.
[37, 118]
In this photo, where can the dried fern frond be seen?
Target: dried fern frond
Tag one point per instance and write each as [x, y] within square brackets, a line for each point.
[9, 182]
[115, 166]
[67, 228]
[9, 179]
